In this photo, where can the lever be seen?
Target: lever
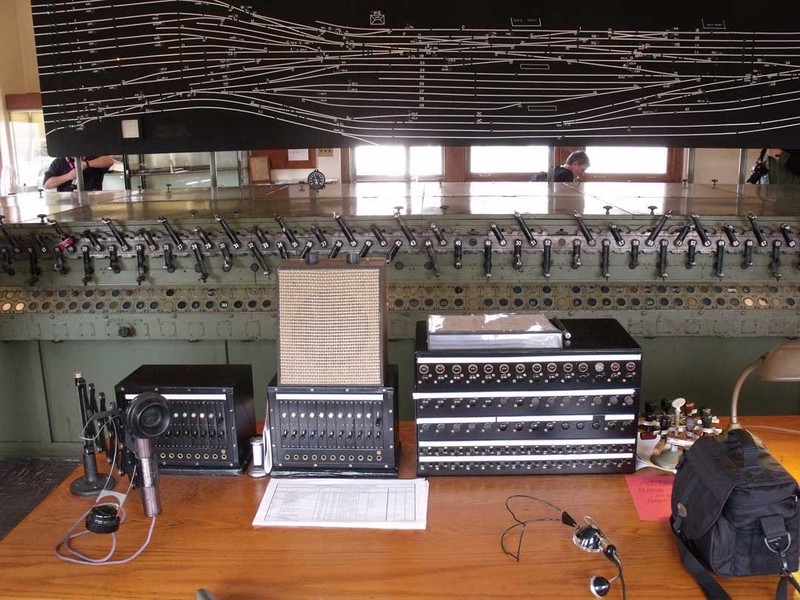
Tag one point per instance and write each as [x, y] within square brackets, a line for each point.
[148, 239]
[786, 231]
[141, 264]
[701, 232]
[200, 266]
[775, 263]
[117, 236]
[651, 240]
[308, 246]
[730, 233]
[168, 266]
[685, 230]
[262, 263]
[437, 233]
[320, 235]
[487, 258]
[458, 252]
[11, 241]
[59, 266]
[203, 238]
[173, 235]
[412, 241]
[719, 258]
[501, 239]
[615, 233]
[227, 259]
[605, 259]
[584, 230]
[663, 253]
[5, 262]
[113, 259]
[432, 254]
[756, 229]
[547, 257]
[282, 249]
[517, 262]
[36, 272]
[262, 237]
[576, 254]
[691, 254]
[634, 260]
[98, 247]
[526, 231]
[40, 242]
[88, 269]
[393, 251]
[379, 236]
[235, 243]
[346, 230]
[365, 249]
[747, 255]
[67, 241]
[337, 246]
[287, 232]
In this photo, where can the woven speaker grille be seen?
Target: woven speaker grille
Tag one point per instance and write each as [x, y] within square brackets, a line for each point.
[330, 325]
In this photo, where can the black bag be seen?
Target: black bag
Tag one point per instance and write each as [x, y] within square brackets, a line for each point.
[735, 512]
[759, 169]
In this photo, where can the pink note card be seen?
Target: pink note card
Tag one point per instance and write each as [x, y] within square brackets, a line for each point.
[651, 496]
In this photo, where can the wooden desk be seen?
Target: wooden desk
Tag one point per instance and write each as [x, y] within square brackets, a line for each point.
[204, 539]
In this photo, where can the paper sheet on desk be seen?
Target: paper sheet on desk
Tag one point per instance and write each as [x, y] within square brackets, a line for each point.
[361, 503]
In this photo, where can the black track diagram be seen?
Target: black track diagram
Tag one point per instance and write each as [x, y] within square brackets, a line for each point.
[364, 78]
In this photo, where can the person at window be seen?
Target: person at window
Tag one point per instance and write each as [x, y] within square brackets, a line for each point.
[573, 168]
[62, 173]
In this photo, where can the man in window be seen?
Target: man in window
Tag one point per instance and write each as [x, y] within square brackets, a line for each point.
[61, 174]
[573, 168]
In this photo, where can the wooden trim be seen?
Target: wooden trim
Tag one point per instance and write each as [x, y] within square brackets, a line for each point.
[345, 154]
[32, 101]
[456, 161]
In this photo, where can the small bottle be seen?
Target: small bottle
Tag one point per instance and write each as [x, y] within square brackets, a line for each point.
[256, 468]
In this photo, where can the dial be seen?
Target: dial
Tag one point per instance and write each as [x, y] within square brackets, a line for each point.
[316, 179]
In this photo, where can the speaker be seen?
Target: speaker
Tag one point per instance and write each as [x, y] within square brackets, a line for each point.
[331, 323]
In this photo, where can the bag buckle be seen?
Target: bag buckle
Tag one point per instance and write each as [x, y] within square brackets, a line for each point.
[779, 544]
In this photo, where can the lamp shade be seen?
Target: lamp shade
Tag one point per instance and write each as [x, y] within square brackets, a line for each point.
[782, 363]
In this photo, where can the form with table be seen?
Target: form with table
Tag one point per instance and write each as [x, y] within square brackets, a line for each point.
[205, 539]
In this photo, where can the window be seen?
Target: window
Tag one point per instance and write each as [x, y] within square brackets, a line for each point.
[399, 163]
[490, 160]
[30, 150]
[627, 159]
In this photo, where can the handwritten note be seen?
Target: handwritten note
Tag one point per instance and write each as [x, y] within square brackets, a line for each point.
[651, 496]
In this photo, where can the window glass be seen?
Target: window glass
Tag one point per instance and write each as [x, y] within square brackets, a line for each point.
[30, 149]
[507, 159]
[627, 159]
[425, 161]
[380, 161]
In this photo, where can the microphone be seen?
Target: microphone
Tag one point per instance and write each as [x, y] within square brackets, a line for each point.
[147, 417]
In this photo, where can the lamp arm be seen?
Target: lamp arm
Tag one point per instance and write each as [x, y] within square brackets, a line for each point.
[734, 424]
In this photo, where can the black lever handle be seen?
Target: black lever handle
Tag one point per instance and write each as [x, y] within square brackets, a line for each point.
[634, 258]
[432, 255]
[282, 250]
[200, 265]
[458, 254]
[651, 239]
[412, 241]
[33, 261]
[262, 263]
[584, 229]
[775, 263]
[487, 258]
[287, 232]
[691, 254]
[59, 266]
[95, 243]
[113, 259]
[576, 253]
[124, 246]
[227, 259]
[605, 259]
[547, 257]
[88, 269]
[262, 238]
[337, 246]
[320, 235]
[169, 265]
[67, 241]
[203, 238]
[345, 230]
[663, 253]
[615, 233]
[756, 229]
[235, 243]
[501, 239]
[376, 231]
[5, 262]
[701, 232]
[516, 263]
[526, 231]
[309, 245]
[786, 231]
[393, 251]
[9, 238]
[365, 249]
[437, 233]
[719, 259]
[730, 233]
[747, 255]
[148, 239]
[685, 230]
[141, 264]
[173, 235]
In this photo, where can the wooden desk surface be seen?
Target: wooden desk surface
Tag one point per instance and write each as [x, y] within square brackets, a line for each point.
[204, 539]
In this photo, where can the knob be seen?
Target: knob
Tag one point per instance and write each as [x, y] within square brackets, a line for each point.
[125, 331]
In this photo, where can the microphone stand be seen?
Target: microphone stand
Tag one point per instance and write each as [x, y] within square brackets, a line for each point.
[91, 482]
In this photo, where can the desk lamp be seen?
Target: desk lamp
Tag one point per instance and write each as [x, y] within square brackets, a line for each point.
[782, 363]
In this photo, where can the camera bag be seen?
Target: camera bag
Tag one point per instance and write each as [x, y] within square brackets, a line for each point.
[735, 512]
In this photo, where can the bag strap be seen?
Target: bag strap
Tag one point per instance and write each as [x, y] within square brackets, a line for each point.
[747, 444]
[778, 540]
[712, 589]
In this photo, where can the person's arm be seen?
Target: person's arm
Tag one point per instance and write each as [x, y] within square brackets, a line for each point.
[100, 162]
[53, 181]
